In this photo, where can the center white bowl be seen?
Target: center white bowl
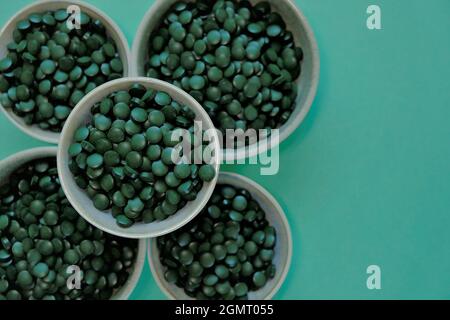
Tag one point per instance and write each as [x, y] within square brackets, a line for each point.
[81, 115]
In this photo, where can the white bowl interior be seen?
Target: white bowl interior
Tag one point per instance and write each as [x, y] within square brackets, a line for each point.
[282, 251]
[78, 197]
[113, 31]
[307, 82]
[12, 163]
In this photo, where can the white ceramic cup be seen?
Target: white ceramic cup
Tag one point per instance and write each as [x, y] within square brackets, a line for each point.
[283, 247]
[307, 82]
[81, 115]
[13, 162]
[112, 29]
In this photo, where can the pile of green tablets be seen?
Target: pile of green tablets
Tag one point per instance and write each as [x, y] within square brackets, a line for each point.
[225, 252]
[41, 235]
[50, 67]
[236, 59]
[124, 157]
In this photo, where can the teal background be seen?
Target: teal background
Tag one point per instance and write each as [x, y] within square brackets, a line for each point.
[366, 178]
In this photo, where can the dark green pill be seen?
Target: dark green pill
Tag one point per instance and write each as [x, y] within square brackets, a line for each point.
[101, 202]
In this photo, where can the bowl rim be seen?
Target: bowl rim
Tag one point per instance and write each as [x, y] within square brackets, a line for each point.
[33, 130]
[65, 140]
[127, 289]
[247, 183]
[287, 128]
[31, 154]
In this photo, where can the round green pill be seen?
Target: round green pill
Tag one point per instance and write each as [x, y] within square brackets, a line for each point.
[241, 289]
[51, 217]
[40, 270]
[207, 172]
[48, 66]
[186, 257]
[5, 64]
[197, 82]
[139, 115]
[207, 260]
[210, 280]
[81, 134]
[102, 122]
[4, 285]
[259, 279]
[94, 160]
[61, 92]
[215, 74]
[71, 256]
[273, 30]
[167, 154]
[250, 248]
[116, 65]
[239, 203]
[4, 221]
[171, 276]
[87, 247]
[213, 37]
[61, 112]
[159, 168]
[182, 171]
[162, 98]
[121, 110]
[254, 28]
[101, 202]
[138, 142]
[134, 159]
[24, 279]
[116, 135]
[156, 118]
[195, 269]
[37, 207]
[153, 152]
[154, 134]
[123, 221]
[221, 271]
[219, 252]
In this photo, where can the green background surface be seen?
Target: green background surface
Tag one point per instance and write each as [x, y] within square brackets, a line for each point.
[366, 178]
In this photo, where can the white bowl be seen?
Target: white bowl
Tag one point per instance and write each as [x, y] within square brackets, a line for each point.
[13, 162]
[78, 197]
[283, 247]
[113, 31]
[307, 82]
